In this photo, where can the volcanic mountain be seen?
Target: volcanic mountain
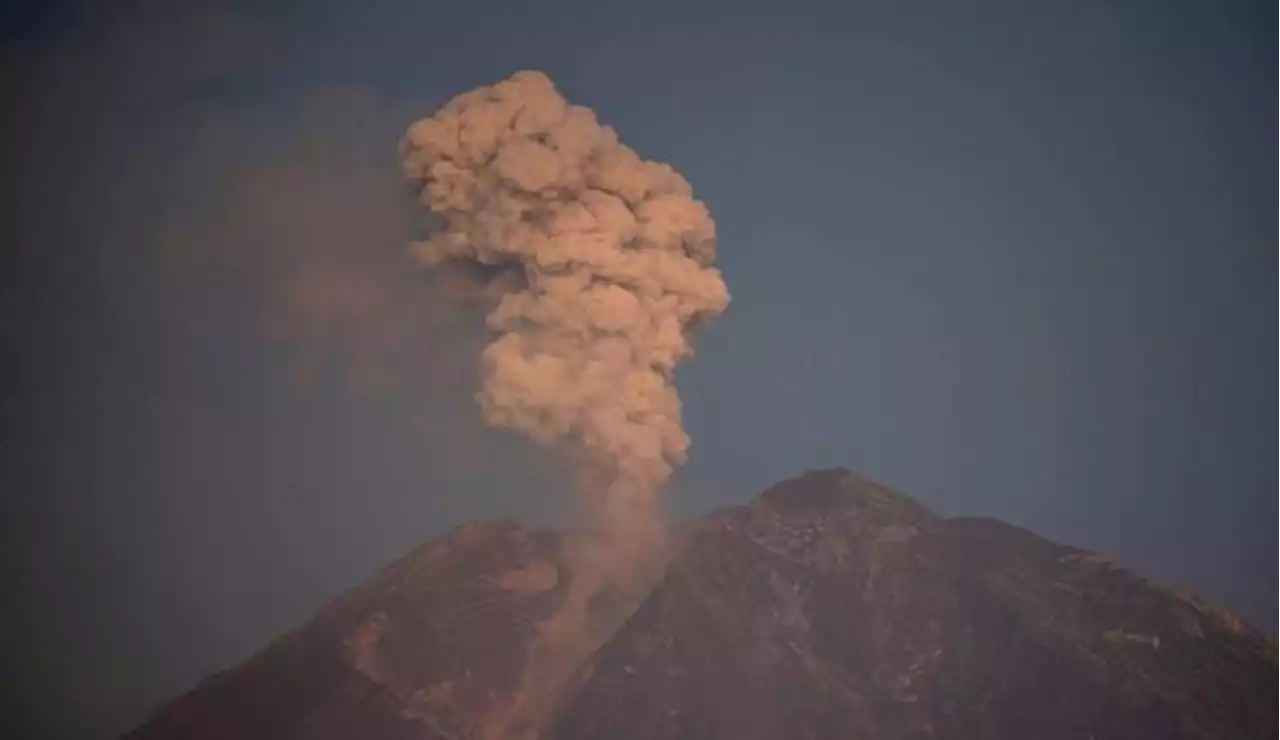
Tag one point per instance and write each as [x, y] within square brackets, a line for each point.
[829, 607]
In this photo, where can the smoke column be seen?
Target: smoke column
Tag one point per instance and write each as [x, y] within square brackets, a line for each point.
[606, 260]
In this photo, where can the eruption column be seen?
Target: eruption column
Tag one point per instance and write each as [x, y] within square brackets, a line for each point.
[609, 264]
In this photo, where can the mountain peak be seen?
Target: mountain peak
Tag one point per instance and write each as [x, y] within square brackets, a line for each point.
[837, 491]
[828, 607]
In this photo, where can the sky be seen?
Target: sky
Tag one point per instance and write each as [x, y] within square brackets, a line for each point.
[1010, 258]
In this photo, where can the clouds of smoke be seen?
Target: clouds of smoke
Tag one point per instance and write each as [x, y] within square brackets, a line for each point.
[611, 259]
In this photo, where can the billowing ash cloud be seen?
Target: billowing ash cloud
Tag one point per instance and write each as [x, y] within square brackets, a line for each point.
[607, 260]
[615, 259]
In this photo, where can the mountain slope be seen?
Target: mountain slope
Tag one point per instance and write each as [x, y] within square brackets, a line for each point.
[417, 652]
[829, 607]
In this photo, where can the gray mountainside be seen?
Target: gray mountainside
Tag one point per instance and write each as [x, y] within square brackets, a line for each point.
[829, 607]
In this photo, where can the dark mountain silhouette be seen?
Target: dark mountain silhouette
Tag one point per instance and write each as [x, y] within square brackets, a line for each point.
[829, 607]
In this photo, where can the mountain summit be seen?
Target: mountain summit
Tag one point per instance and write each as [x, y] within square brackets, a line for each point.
[828, 607]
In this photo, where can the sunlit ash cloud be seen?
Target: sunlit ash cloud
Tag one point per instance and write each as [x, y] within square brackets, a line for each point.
[601, 262]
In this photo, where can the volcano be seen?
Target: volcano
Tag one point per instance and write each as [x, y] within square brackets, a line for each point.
[828, 607]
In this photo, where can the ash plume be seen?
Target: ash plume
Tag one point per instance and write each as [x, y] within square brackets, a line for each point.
[606, 262]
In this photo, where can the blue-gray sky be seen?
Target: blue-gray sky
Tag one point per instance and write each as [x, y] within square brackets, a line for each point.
[1013, 259]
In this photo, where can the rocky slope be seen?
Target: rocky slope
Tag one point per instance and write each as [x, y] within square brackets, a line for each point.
[829, 607]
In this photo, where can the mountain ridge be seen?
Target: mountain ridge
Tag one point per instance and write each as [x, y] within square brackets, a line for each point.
[827, 606]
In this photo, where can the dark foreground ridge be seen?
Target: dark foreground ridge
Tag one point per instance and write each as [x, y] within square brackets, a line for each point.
[829, 607]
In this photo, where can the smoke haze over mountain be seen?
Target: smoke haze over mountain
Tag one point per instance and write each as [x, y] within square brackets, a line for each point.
[610, 266]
